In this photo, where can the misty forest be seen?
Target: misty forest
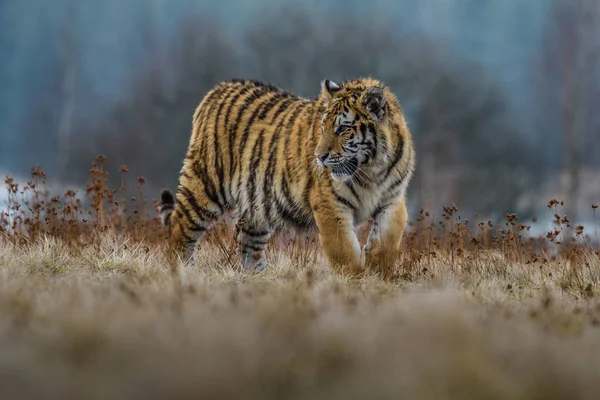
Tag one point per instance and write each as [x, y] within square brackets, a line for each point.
[498, 94]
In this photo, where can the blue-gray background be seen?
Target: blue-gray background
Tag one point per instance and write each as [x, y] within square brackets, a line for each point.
[499, 94]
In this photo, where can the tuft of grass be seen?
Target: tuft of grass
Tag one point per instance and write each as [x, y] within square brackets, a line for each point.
[90, 308]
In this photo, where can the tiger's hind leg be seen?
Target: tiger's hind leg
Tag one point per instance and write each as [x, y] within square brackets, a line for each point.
[252, 241]
[193, 216]
[185, 234]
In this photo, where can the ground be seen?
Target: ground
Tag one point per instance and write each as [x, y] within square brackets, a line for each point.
[92, 306]
[113, 321]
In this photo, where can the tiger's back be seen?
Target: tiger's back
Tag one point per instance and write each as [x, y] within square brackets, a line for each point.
[252, 151]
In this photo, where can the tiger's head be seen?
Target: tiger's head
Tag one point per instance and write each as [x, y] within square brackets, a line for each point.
[354, 128]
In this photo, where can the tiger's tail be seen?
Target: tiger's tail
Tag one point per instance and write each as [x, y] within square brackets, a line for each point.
[166, 207]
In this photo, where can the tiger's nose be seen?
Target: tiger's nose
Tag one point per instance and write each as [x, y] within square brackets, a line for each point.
[322, 156]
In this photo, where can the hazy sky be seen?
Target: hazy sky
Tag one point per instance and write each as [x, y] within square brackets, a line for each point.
[501, 35]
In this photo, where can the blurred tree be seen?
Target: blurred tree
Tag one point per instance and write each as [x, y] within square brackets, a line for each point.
[69, 57]
[468, 152]
[45, 128]
[569, 85]
[149, 131]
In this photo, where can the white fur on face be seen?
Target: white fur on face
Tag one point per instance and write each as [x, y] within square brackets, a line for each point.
[323, 122]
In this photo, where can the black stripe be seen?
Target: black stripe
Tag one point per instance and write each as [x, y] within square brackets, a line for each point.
[306, 191]
[251, 247]
[287, 196]
[351, 147]
[185, 236]
[283, 106]
[286, 167]
[271, 103]
[268, 185]
[384, 142]
[401, 179]
[309, 181]
[207, 100]
[266, 85]
[255, 241]
[269, 173]
[198, 228]
[397, 157]
[226, 126]
[208, 185]
[208, 106]
[203, 137]
[241, 91]
[251, 120]
[234, 126]
[392, 195]
[254, 97]
[350, 186]
[367, 142]
[363, 130]
[285, 213]
[255, 162]
[375, 139]
[397, 183]
[359, 179]
[343, 200]
[217, 155]
[183, 213]
[254, 233]
[242, 149]
[294, 215]
[197, 115]
[310, 129]
[379, 210]
[238, 80]
[290, 129]
[231, 160]
[202, 213]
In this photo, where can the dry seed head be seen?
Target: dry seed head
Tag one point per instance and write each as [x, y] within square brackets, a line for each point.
[552, 203]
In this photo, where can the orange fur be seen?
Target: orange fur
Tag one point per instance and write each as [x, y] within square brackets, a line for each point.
[254, 150]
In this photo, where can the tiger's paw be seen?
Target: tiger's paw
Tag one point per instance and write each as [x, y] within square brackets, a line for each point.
[254, 262]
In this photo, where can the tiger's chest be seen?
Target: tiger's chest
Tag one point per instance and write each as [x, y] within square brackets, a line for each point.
[363, 200]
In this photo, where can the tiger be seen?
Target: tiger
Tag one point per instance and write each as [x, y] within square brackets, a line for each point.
[282, 162]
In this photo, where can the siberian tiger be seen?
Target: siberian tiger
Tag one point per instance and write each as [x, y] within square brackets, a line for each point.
[282, 161]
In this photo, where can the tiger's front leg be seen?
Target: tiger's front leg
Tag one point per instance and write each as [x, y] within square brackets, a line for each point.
[338, 239]
[383, 244]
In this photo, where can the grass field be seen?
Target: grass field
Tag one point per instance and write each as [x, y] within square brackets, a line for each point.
[91, 309]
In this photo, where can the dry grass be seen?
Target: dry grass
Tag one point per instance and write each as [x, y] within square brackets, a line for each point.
[92, 310]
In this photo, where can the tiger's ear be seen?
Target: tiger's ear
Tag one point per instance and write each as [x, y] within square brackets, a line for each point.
[374, 102]
[329, 88]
